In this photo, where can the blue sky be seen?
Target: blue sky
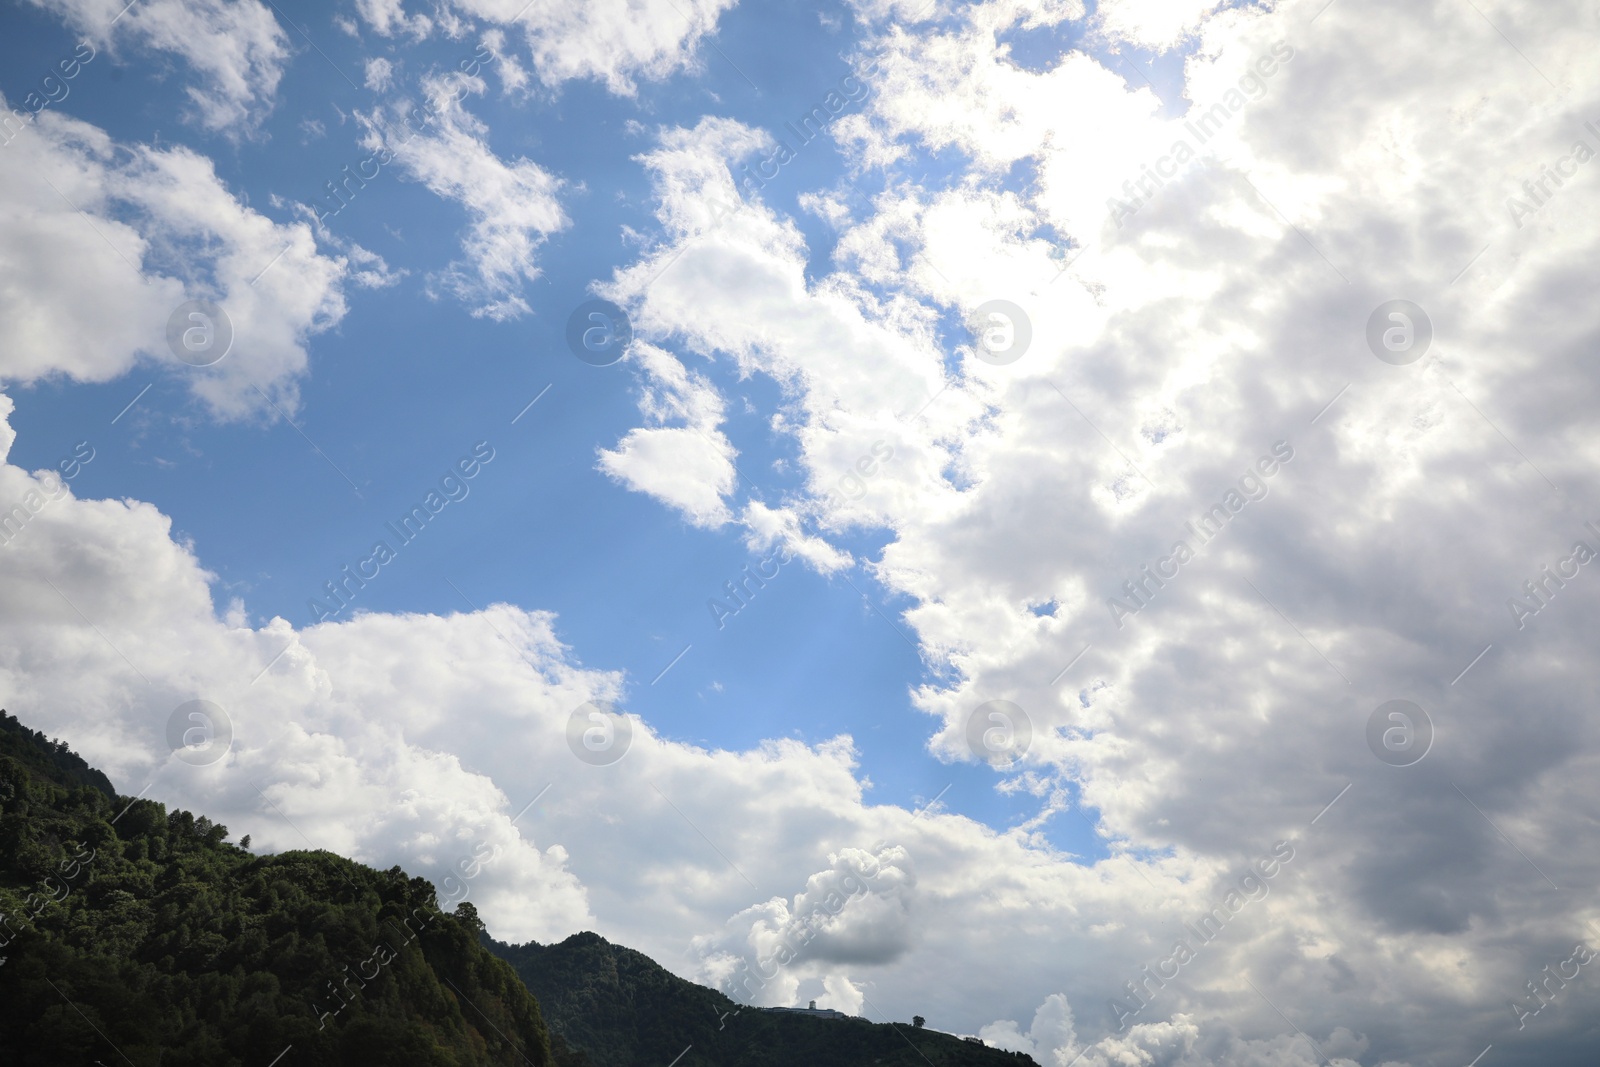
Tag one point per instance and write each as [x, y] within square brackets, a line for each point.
[406, 385]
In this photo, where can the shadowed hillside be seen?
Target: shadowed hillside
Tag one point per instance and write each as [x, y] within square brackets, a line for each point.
[623, 1009]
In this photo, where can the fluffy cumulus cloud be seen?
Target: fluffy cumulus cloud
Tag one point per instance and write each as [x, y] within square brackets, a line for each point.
[730, 281]
[235, 48]
[309, 765]
[1248, 528]
[1154, 24]
[613, 41]
[687, 467]
[440, 743]
[858, 911]
[102, 243]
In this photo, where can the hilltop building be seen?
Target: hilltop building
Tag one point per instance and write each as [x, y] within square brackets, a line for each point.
[821, 1013]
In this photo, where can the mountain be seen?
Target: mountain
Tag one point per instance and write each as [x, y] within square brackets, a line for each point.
[130, 934]
[620, 1008]
[135, 935]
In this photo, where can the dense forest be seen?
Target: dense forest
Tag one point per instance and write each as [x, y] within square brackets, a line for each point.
[130, 934]
[625, 1010]
[137, 935]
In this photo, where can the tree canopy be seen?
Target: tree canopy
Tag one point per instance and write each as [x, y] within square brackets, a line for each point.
[137, 934]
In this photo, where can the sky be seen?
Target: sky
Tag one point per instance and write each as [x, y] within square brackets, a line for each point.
[1072, 520]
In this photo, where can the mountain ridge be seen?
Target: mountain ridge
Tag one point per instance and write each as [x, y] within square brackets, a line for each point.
[581, 982]
[130, 933]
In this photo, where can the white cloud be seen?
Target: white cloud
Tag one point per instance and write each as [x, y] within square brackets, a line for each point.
[379, 74]
[511, 206]
[237, 47]
[1217, 319]
[858, 911]
[1051, 1036]
[730, 282]
[514, 78]
[688, 467]
[388, 17]
[377, 787]
[768, 527]
[1158, 25]
[100, 243]
[614, 41]
[840, 994]
[412, 739]
[832, 210]
[678, 465]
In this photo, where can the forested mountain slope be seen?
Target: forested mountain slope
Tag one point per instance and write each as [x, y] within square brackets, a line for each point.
[137, 935]
[623, 1009]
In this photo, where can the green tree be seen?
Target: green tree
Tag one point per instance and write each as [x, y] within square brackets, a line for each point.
[137, 934]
